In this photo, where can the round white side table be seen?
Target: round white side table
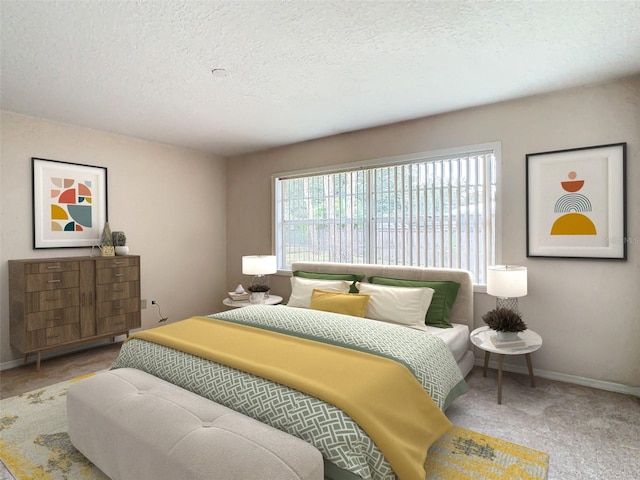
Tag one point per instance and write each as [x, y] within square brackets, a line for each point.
[271, 300]
[481, 338]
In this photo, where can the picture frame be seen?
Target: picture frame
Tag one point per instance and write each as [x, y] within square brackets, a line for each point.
[69, 204]
[576, 203]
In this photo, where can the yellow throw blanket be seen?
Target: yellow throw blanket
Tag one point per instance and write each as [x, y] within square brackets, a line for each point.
[379, 394]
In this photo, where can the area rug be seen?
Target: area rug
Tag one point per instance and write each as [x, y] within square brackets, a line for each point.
[35, 445]
[463, 454]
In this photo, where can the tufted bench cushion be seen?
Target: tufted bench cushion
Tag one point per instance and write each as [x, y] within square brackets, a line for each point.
[133, 425]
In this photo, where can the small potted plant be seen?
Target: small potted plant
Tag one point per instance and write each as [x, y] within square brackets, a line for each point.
[120, 243]
[506, 322]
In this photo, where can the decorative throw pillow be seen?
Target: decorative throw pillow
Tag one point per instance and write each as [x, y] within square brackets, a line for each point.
[354, 304]
[400, 305]
[302, 288]
[445, 293]
[352, 277]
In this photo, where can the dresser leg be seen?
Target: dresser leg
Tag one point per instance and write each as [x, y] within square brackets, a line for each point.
[26, 358]
[500, 362]
[38, 358]
[530, 367]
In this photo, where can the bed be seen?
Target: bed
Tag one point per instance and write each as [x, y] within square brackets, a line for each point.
[438, 362]
[461, 313]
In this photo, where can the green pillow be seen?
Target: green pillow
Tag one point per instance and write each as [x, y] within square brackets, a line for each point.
[332, 276]
[445, 293]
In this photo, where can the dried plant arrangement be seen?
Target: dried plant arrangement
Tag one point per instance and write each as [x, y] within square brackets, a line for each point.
[504, 320]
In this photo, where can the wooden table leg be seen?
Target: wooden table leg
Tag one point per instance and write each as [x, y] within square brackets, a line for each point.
[530, 367]
[486, 363]
[500, 362]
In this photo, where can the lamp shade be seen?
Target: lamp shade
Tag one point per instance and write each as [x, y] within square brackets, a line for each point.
[259, 264]
[507, 281]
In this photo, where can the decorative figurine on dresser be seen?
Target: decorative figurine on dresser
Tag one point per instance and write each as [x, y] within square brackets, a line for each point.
[60, 302]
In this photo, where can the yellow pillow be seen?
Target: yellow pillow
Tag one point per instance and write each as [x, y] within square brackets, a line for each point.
[353, 304]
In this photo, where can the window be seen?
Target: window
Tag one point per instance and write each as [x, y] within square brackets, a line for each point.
[433, 209]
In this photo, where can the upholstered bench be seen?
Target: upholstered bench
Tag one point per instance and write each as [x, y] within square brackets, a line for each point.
[132, 425]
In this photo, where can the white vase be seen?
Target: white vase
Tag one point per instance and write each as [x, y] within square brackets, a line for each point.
[122, 250]
[507, 336]
[257, 297]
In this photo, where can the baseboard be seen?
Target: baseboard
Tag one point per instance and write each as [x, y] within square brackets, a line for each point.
[563, 377]
[56, 353]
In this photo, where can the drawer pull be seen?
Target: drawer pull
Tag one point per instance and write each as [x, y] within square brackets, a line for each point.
[116, 262]
[53, 281]
[119, 275]
[50, 267]
[53, 336]
[55, 318]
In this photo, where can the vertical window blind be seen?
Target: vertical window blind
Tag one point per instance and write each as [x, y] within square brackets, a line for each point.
[426, 211]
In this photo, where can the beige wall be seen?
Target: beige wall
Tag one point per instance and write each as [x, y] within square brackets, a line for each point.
[170, 202]
[588, 312]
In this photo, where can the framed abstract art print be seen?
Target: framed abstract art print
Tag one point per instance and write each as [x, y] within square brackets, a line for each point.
[69, 204]
[576, 203]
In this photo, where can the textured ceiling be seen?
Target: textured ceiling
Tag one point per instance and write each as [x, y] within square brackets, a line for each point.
[296, 70]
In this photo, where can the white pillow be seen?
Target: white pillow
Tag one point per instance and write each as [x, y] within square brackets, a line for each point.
[401, 305]
[302, 288]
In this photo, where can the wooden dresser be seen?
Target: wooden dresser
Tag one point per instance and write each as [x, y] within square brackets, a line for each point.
[59, 302]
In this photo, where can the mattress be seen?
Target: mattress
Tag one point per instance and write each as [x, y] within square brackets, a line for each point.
[456, 338]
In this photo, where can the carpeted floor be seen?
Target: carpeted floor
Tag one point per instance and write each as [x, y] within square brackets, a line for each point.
[590, 434]
[35, 445]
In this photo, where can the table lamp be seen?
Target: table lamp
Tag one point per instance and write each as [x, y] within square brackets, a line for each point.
[260, 266]
[507, 283]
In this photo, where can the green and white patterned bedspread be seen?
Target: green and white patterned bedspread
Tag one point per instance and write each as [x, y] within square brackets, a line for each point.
[342, 442]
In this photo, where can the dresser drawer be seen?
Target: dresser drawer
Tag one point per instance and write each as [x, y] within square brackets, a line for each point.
[48, 267]
[46, 337]
[118, 323]
[117, 275]
[52, 318]
[117, 307]
[117, 291]
[49, 300]
[51, 281]
[114, 262]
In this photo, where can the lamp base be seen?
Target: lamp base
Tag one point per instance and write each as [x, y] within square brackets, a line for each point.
[510, 303]
[259, 283]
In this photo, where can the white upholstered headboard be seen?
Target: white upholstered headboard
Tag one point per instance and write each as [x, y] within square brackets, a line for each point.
[462, 310]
